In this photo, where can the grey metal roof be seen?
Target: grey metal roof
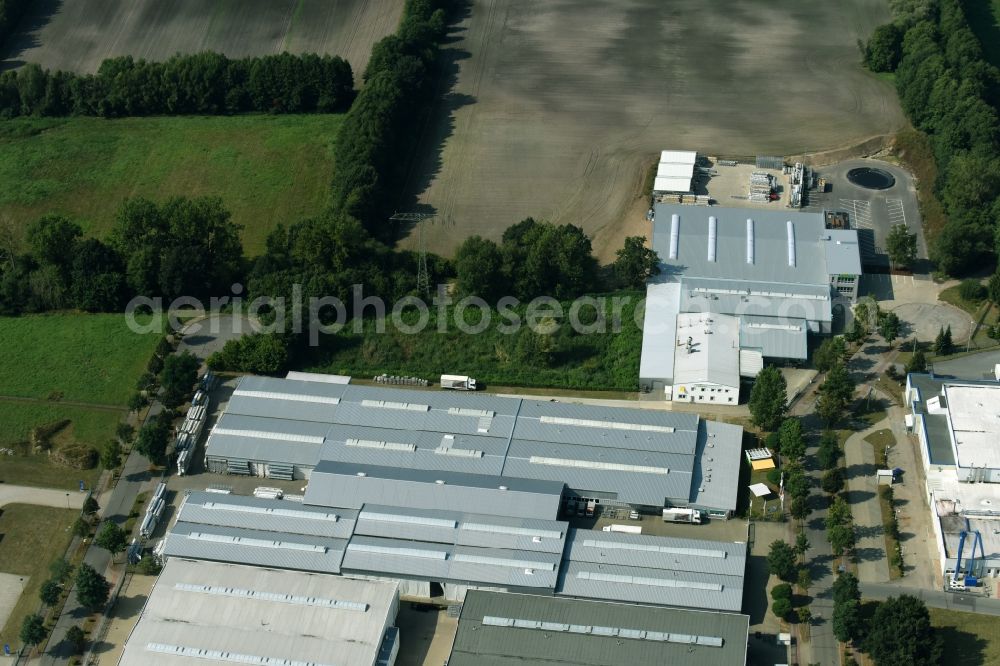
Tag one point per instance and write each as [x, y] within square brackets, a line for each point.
[479, 644]
[642, 488]
[463, 529]
[843, 255]
[266, 549]
[257, 449]
[290, 387]
[443, 562]
[657, 570]
[770, 244]
[252, 513]
[774, 337]
[280, 409]
[653, 570]
[789, 302]
[345, 484]
[288, 617]
[716, 474]
[505, 433]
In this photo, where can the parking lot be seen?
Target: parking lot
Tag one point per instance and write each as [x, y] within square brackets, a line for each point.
[873, 212]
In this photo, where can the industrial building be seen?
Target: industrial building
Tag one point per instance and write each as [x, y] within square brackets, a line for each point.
[436, 552]
[958, 426]
[643, 569]
[514, 629]
[203, 611]
[738, 287]
[496, 449]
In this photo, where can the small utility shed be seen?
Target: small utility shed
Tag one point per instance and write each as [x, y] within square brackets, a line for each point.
[516, 629]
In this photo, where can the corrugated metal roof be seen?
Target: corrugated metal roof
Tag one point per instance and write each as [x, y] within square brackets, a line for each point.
[343, 484]
[715, 484]
[219, 544]
[260, 613]
[478, 423]
[291, 387]
[464, 529]
[281, 409]
[663, 302]
[451, 564]
[770, 244]
[722, 558]
[775, 337]
[478, 644]
[238, 511]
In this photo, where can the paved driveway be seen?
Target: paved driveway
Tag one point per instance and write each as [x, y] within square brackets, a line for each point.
[204, 337]
[40, 496]
[974, 366]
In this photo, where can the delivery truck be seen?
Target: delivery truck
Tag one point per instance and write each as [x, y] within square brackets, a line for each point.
[682, 516]
[458, 382]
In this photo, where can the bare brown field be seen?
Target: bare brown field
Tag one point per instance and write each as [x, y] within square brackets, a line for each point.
[558, 107]
[77, 35]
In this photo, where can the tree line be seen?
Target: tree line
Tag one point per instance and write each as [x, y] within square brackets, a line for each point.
[200, 83]
[951, 93]
[379, 132]
[181, 247]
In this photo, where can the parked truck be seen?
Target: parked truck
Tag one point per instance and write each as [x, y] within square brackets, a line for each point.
[458, 382]
[692, 516]
[629, 529]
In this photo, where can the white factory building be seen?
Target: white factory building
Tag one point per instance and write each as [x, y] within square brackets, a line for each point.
[202, 612]
[957, 424]
[738, 287]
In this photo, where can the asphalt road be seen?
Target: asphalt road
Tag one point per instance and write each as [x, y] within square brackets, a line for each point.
[974, 366]
[967, 603]
[117, 506]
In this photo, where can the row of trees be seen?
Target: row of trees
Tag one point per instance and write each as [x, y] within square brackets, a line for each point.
[201, 83]
[949, 91]
[183, 246]
[379, 132]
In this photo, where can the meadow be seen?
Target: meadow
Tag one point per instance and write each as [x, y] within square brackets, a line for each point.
[90, 358]
[266, 169]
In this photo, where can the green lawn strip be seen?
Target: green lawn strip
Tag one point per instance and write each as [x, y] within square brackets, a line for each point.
[970, 639]
[90, 358]
[33, 537]
[267, 169]
[879, 440]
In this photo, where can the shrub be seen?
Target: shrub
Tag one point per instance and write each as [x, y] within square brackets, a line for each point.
[972, 290]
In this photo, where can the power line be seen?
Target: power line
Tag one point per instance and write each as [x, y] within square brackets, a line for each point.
[423, 275]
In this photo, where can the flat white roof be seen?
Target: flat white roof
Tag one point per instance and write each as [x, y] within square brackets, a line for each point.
[672, 184]
[679, 156]
[318, 377]
[714, 353]
[663, 301]
[674, 170]
[199, 608]
[974, 416]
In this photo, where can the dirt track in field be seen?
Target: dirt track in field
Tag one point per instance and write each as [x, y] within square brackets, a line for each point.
[77, 35]
[557, 107]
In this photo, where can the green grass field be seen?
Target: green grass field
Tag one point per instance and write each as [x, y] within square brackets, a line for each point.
[75, 357]
[32, 538]
[970, 639]
[266, 169]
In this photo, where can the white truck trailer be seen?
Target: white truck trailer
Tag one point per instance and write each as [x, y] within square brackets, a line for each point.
[692, 516]
[628, 529]
[458, 382]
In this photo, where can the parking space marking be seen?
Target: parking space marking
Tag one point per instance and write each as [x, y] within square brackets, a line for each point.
[861, 212]
[896, 213]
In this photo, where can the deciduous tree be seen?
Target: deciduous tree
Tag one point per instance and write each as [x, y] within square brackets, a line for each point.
[900, 633]
[635, 263]
[901, 246]
[781, 561]
[768, 398]
[91, 587]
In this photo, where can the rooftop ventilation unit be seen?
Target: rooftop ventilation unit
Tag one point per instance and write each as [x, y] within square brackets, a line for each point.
[749, 241]
[712, 237]
[791, 243]
[675, 232]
